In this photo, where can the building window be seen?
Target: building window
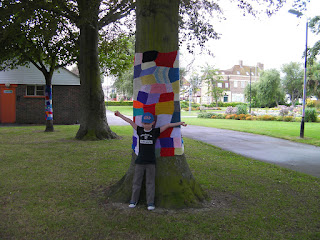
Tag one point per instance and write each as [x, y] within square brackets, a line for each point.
[226, 85]
[235, 84]
[225, 98]
[247, 73]
[33, 90]
[238, 72]
[252, 73]
[243, 84]
[219, 84]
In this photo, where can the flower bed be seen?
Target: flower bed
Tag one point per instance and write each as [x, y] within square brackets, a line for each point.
[282, 113]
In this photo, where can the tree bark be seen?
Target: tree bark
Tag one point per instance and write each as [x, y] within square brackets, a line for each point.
[93, 121]
[157, 29]
[48, 105]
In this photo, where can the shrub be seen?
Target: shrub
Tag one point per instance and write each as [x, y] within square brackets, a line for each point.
[267, 118]
[249, 118]
[284, 110]
[310, 103]
[121, 103]
[228, 116]
[205, 115]
[287, 118]
[310, 115]
[229, 110]
[221, 116]
[241, 109]
[279, 118]
[242, 116]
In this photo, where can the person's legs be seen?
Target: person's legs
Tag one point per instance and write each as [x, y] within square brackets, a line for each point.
[137, 181]
[150, 182]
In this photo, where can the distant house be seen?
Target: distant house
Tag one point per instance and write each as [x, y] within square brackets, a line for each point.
[234, 81]
[22, 97]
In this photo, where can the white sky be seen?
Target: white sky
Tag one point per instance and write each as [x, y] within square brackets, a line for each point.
[272, 41]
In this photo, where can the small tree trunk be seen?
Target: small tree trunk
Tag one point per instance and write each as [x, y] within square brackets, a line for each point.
[93, 121]
[48, 104]
[157, 30]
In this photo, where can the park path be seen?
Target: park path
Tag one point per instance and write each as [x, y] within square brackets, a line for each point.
[296, 156]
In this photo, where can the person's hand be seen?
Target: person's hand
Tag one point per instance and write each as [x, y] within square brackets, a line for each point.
[184, 124]
[117, 113]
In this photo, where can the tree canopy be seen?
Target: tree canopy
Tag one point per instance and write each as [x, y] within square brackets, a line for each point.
[293, 80]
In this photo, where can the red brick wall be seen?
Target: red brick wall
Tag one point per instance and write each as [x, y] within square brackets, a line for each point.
[65, 102]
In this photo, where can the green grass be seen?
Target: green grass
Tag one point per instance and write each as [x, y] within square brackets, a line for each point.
[127, 110]
[279, 129]
[53, 187]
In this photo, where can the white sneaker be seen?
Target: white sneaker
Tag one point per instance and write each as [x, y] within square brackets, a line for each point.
[151, 207]
[132, 205]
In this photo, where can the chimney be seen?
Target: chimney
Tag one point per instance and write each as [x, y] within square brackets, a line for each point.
[260, 65]
[241, 63]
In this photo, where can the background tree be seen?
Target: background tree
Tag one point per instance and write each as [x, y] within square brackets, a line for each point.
[269, 88]
[195, 83]
[293, 80]
[313, 77]
[255, 102]
[212, 78]
[32, 35]
[123, 83]
[313, 52]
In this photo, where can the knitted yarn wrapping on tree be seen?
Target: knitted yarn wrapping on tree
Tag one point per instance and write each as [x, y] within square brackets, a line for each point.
[156, 90]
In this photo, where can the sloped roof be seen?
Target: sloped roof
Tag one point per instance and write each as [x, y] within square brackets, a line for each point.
[31, 75]
[242, 69]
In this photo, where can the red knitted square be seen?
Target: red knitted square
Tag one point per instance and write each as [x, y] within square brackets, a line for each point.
[166, 133]
[150, 108]
[167, 152]
[166, 97]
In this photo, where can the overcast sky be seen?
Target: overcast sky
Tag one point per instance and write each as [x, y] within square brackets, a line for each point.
[272, 41]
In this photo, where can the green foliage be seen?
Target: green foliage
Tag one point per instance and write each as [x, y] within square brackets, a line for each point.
[228, 104]
[116, 54]
[30, 34]
[310, 115]
[269, 91]
[293, 80]
[314, 80]
[205, 115]
[212, 78]
[242, 109]
[314, 25]
[185, 104]
[121, 103]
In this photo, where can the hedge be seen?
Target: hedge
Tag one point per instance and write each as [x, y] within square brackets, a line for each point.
[121, 103]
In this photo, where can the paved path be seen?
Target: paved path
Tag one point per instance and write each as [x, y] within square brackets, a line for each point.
[296, 156]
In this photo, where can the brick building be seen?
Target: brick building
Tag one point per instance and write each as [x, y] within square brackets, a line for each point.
[22, 97]
[234, 81]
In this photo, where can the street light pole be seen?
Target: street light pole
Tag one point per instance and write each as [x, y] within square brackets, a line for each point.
[250, 93]
[299, 14]
[304, 85]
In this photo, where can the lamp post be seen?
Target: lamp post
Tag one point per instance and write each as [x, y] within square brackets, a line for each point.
[250, 93]
[299, 14]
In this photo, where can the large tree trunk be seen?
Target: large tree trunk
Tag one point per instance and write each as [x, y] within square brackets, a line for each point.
[93, 121]
[157, 30]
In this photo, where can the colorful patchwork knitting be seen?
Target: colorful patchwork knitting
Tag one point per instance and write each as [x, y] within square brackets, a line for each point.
[156, 90]
[48, 96]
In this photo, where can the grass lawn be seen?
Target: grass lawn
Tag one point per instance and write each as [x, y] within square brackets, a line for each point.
[53, 187]
[279, 129]
[127, 110]
[285, 130]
